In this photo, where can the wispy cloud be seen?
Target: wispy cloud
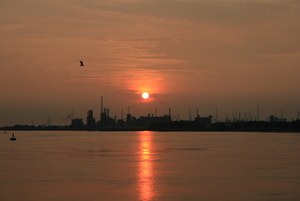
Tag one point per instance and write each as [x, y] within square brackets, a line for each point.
[280, 56]
[12, 27]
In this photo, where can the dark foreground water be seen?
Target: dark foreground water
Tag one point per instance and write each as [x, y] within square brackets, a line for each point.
[129, 166]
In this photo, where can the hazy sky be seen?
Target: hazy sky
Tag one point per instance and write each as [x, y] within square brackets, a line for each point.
[228, 55]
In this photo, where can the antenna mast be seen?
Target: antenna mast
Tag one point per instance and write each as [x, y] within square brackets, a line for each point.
[101, 104]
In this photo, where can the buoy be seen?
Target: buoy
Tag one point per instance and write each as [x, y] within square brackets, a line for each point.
[13, 137]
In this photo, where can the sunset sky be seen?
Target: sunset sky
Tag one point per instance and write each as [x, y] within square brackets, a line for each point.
[228, 55]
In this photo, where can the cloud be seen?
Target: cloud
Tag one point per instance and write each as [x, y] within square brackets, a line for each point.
[221, 13]
[12, 27]
[280, 56]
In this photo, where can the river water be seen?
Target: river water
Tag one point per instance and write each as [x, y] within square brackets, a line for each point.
[145, 166]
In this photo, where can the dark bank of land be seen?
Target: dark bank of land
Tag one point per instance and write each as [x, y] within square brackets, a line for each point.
[249, 126]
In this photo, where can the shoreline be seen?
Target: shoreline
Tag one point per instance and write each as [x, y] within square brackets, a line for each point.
[163, 130]
[179, 126]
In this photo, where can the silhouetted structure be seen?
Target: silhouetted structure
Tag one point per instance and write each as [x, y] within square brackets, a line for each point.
[146, 121]
[77, 123]
[90, 120]
[106, 120]
[166, 123]
[129, 120]
[13, 137]
[121, 123]
[207, 121]
[276, 119]
[102, 116]
[81, 63]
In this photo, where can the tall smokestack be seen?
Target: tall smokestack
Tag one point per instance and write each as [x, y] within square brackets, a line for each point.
[169, 111]
[101, 104]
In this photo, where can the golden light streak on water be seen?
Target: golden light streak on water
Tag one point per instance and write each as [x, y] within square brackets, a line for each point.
[145, 167]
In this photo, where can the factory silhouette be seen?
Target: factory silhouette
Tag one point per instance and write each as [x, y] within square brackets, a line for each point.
[168, 122]
[151, 120]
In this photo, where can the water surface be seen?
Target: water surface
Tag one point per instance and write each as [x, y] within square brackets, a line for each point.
[145, 166]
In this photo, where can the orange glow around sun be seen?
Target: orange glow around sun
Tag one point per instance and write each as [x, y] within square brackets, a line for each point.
[145, 95]
[145, 85]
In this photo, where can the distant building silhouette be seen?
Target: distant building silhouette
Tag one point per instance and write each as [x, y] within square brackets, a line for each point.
[77, 123]
[147, 120]
[204, 120]
[106, 120]
[121, 122]
[90, 120]
[276, 119]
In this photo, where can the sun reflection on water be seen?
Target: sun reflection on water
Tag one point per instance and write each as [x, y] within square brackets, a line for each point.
[145, 167]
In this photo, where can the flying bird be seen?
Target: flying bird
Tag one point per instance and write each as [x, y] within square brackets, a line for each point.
[81, 63]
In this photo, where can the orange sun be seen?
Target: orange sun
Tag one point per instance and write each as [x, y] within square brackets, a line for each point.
[145, 95]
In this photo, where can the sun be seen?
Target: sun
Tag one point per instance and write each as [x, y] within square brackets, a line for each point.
[145, 95]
